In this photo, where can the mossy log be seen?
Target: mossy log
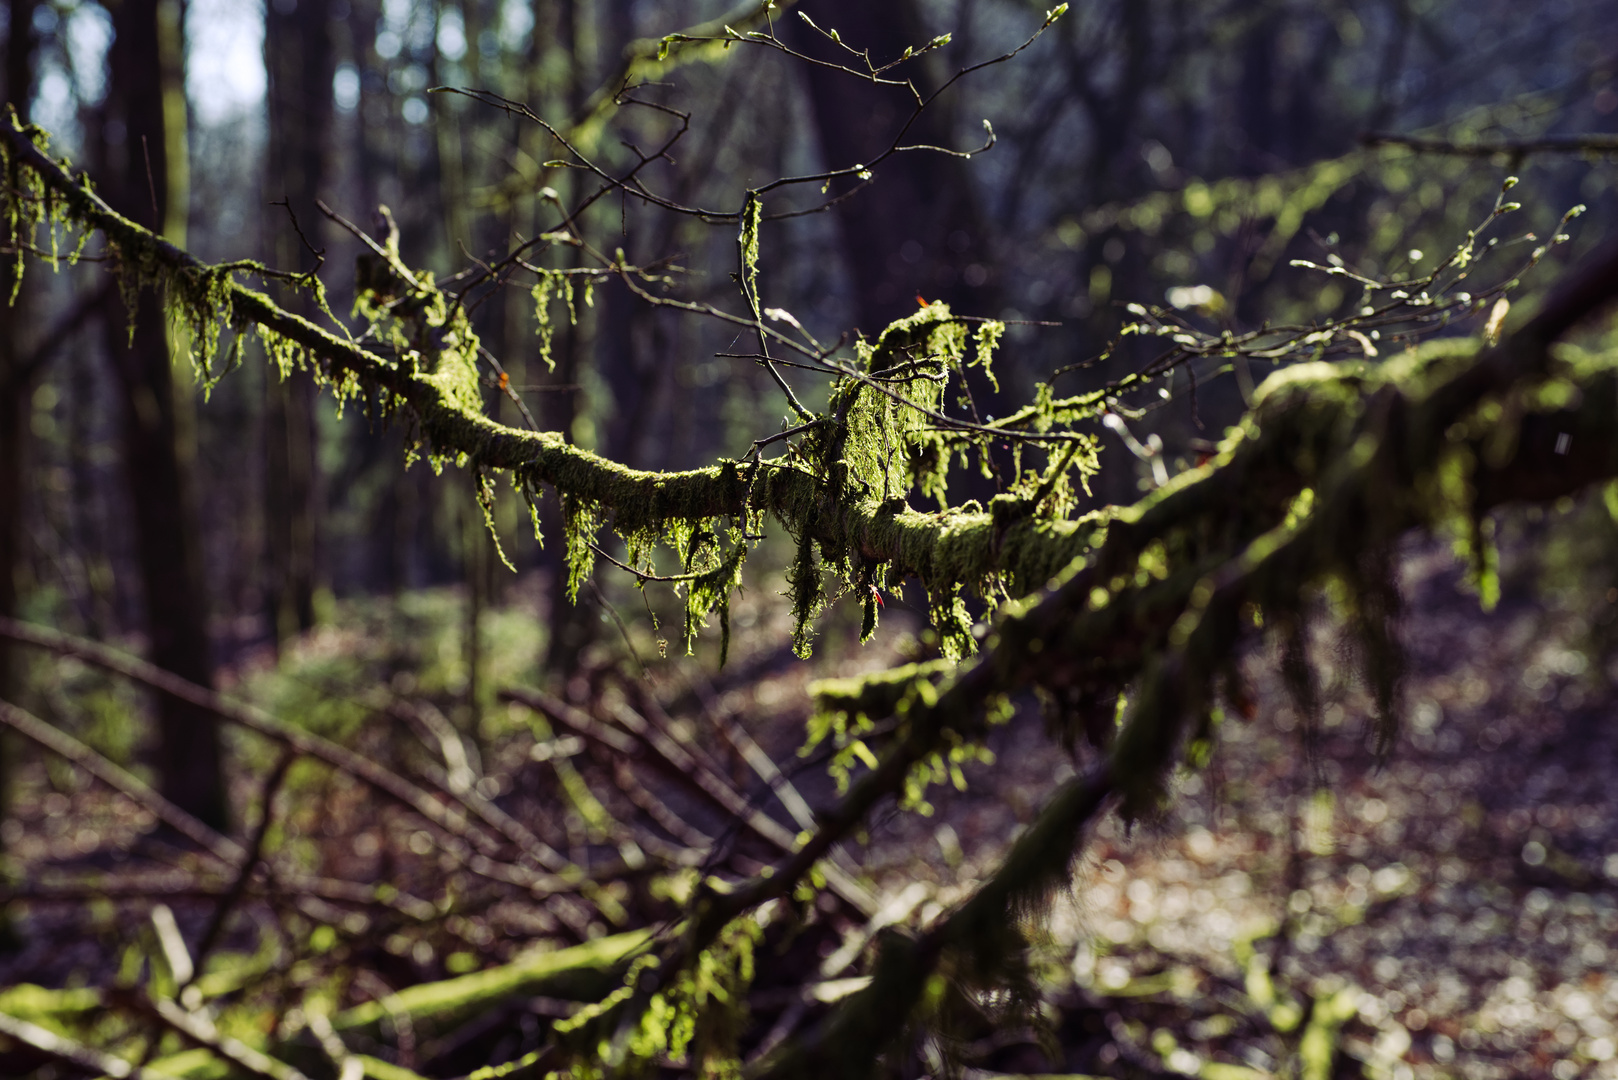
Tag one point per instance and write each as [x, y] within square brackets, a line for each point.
[582, 973]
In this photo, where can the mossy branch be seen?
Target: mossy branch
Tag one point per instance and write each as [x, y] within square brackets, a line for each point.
[853, 521]
[907, 971]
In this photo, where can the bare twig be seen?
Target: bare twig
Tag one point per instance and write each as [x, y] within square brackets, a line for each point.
[249, 863]
[760, 444]
[320, 254]
[503, 382]
[642, 575]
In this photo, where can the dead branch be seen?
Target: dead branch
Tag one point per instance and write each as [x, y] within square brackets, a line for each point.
[1589, 143]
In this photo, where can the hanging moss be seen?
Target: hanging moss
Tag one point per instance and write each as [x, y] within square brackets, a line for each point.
[579, 523]
[711, 591]
[30, 202]
[552, 283]
[807, 594]
[847, 496]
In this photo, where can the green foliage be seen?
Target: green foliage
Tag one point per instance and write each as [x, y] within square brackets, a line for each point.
[691, 1019]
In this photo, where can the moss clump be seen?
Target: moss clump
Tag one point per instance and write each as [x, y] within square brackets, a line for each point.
[554, 284]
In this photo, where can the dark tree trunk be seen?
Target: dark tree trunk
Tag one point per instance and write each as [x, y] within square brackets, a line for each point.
[290, 510]
[168, 543]
[1256, 99]
[572, 626]
[300, 58]
[15, 396]
[917, 231]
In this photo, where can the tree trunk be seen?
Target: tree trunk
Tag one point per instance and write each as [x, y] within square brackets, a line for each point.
[300, 60]
[143, 135]
[15, 400]
[571, 626]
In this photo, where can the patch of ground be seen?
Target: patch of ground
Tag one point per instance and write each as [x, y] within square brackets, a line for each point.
[1459, 896]
[1447, 911]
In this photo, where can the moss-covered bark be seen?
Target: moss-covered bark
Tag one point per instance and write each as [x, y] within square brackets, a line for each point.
[852, 512]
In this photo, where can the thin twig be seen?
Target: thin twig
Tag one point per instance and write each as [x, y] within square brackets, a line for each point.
[642, 575]
[255, 850]
[151, 187]
[760, 444]
[503, 381]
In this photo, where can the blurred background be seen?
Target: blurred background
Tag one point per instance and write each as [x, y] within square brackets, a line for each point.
[1178, 154]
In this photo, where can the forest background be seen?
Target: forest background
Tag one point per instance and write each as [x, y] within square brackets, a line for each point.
[1176, 155]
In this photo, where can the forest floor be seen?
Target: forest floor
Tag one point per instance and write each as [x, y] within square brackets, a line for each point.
[1448, 911]
[1457, 900]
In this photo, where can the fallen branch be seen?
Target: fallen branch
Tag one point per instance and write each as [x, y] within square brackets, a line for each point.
[931, 546]
[200, 1030]
[75, 1055]
[867, 1021]
[59, 742]
[223, 849]
[564, 877]
[579, 973]
[1590, 143]
[674, 762]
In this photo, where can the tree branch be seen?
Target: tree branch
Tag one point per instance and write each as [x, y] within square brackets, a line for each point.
[1593, 143]
[931, 546]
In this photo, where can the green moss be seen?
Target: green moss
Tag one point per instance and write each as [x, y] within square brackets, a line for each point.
[877, 694]
[551, 284]
[842, 490]
[575, 972]
[747, 243]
